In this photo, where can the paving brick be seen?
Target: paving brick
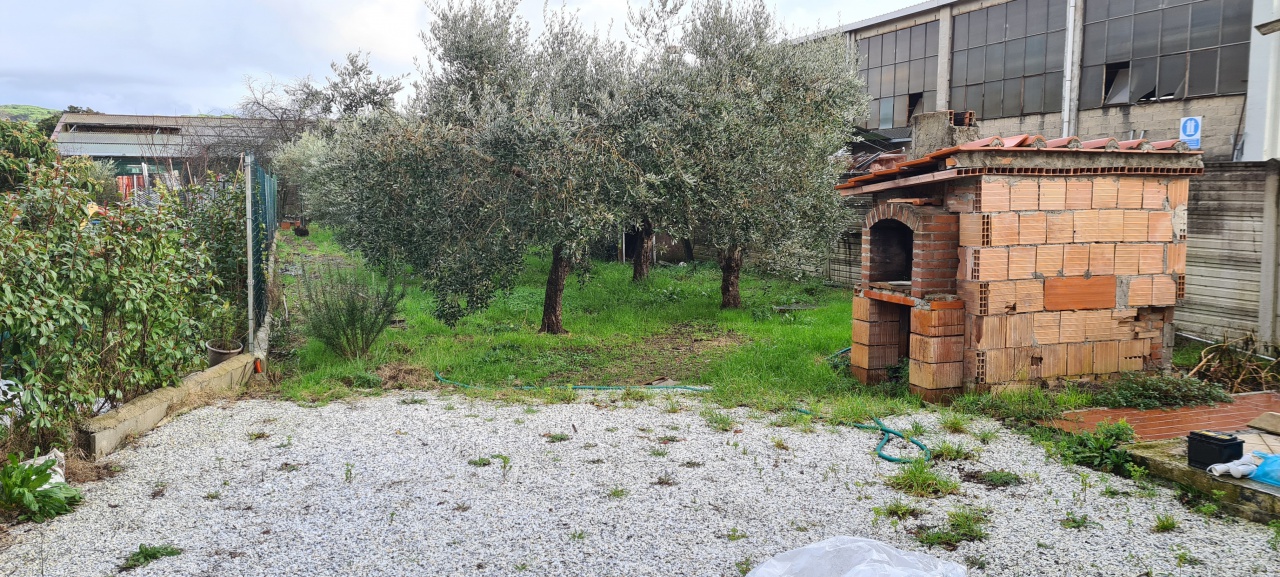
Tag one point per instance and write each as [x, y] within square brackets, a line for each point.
[1079, 194]
[1160, 226]
[1135, 225]
[1060, 227]
[1110, 226]
[1049, 259]
[1031, 228]
[1053, 194]
[1150, 258]
[1075, 259]
[1022, 262]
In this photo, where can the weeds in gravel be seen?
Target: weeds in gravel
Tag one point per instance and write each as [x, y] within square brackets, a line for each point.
[987, 436]
[595, 461]
[480, 462]
[1182, 557]
[636, 395]
[918, 479]
[668, 439]
[963, 524]
[717, 420]
[898, 510]
[1098, 449]
[658, 452]
[666, 480]
[288, 442]
[975, 562]
[948, 451]
[348, 473]
[23, 491]
[691, 464]
[916, 429]
[1023, 407]
[258, 435]
[461, 508]
[617, 493]
[148, 553]
[213, 495]
[735, 534]
[780, 444]
[579, 534]
[556, 437]
[953, 422]
[289, 467]
[999, 478]
[745, 565]
[413, 401]
[1165, 523]
[1274, 539]
[1081, 521]
[673, 406]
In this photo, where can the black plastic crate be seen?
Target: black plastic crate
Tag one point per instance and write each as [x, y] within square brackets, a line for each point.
[1206, 448]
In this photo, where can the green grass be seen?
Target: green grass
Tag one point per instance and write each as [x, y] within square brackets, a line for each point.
[1024, 407]
[1000, 478]
[919, 479]
[1186, 353]
[963, 524]
[621, 333]
[948, 451]
[1165, 523]
[26, 112]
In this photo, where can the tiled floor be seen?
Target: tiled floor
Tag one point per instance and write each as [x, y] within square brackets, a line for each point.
[1158, 424]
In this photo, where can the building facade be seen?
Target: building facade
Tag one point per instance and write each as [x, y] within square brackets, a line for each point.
[1089, 68]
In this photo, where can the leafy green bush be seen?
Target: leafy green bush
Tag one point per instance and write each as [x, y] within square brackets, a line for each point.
[214, 212]
[22, 491]
[97, 307]
[1139, 391]
[346, 309]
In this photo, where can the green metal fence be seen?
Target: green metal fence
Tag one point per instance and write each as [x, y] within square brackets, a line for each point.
[265, 221]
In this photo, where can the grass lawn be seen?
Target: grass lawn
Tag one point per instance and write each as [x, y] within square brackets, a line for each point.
[621, 334]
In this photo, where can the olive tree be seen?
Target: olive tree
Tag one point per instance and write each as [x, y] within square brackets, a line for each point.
[766, 115]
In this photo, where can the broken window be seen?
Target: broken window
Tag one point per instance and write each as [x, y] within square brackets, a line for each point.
[898, 64]
[1117, 84]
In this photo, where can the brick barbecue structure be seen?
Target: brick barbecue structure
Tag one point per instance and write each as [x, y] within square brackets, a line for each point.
[1006, 262]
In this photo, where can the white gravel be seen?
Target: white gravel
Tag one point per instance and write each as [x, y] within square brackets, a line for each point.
[413, 506]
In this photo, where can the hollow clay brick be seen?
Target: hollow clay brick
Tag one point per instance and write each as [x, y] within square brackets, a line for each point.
[1004, 229]
[1075, 259]
[1178, 190]
[1009, 364]
[935, 376]
[1001, 297]
[1031, 228]
[937, 323]
[937, 349]
[1049, 259]
[985, 332]
[1098, 325]
[1178, 258]
[1105, 191]
[1154, 193]
[1110, 226]
[1078, 293]
[1072, 327]
[1053, 194]
[1022, 262]
[1164, 290]
[1047, 327]
[990, 264]
[1060, 227]
[1080, 358]
[1102, 259]
[1135, 225]
[876, 333]
[861, 309]
[995, 194]
[1079, 194]
[873, 356]
[1130, 192]
[1106, 357]
[971, 229]
[1024, 194]
[1019, 330]
[1086, 225]
[1029, 295]
[1127, 256]
[869, 376]
[1140, 291]
[1160, 226]
[1053, 361]
[1150, 258]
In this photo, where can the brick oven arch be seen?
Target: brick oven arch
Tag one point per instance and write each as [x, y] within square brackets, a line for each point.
[932, 253]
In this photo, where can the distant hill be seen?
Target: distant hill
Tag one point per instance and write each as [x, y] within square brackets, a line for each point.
[26, 112]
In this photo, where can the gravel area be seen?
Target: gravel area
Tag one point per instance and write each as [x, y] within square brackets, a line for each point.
[382, 486]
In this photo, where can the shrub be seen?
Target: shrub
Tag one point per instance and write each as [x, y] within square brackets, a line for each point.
[98, 308]
[214, 212]
[23, 491]
[1138, 391]
[346, 309]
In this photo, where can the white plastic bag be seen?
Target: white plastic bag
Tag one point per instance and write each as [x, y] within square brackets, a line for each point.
[855, 557]
[57, 472]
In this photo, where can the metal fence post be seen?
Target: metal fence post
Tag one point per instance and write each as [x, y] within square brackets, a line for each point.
[248, 236]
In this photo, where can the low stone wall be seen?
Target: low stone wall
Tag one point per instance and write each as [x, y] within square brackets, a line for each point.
[102, 435]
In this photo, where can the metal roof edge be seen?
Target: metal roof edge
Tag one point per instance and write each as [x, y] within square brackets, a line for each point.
[881, 19]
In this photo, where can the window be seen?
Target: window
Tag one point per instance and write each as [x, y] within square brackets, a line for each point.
[1003, 58]
[901, 68]
[1150, 50]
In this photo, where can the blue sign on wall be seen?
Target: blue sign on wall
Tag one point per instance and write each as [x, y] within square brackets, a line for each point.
[1189, 130]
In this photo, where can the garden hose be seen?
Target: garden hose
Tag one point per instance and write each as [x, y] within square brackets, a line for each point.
[889, 434]
[440, 377]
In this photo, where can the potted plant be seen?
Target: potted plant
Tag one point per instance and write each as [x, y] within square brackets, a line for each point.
[224, 325]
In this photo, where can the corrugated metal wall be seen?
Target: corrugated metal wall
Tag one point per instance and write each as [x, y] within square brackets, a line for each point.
[1224, 250]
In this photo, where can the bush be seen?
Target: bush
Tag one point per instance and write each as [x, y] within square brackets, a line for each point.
[346, 309]
[99, 308]
[214, 212]
[1140, 391]
[22, 491]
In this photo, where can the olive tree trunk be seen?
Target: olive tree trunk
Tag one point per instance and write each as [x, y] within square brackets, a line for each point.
[730, 269]
[552, 302]
[640, 264]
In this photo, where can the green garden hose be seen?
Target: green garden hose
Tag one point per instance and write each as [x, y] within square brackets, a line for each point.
[889, 434]
[440, 377]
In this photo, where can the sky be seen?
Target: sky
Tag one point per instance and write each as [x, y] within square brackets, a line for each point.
[193, 56]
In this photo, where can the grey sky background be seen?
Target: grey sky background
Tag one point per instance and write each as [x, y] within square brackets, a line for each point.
[192, 56]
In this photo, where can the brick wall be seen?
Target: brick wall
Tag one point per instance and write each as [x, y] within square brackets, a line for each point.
[935, 233]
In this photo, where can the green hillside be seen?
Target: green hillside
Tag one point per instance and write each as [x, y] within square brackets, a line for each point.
[25, 112]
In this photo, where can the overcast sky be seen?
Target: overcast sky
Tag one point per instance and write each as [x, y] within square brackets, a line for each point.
[192, 56]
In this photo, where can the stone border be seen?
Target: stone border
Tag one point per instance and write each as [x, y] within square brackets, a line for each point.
[102, 435]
